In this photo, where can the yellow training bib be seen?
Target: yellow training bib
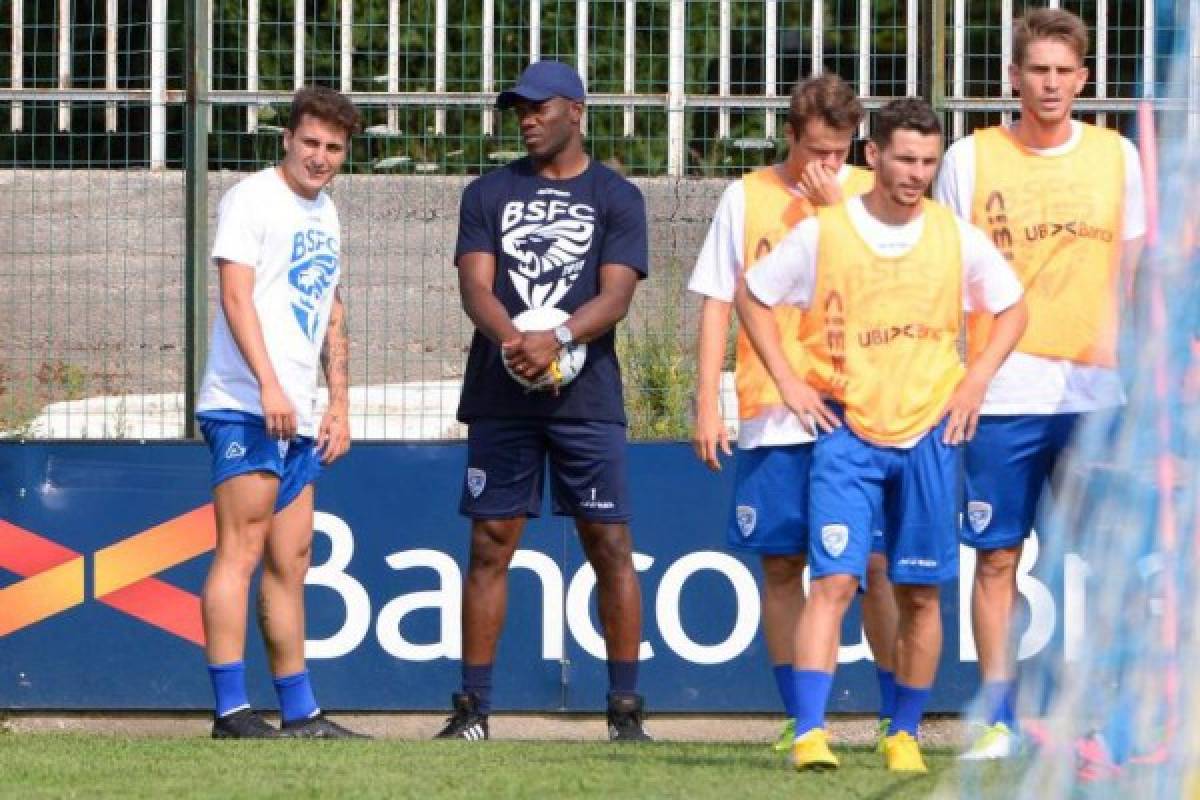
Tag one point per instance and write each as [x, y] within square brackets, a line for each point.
[773, 209]
[888, 326]
[1057, 219]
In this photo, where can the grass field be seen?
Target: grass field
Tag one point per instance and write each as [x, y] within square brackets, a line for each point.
[81, 765]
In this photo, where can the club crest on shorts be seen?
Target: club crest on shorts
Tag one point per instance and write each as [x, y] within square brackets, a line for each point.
[834, 539]
[747, 518]
[476, 480]
[235, 450]
[979, 515]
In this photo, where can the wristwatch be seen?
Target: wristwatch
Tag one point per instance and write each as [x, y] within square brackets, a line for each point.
[563, 335]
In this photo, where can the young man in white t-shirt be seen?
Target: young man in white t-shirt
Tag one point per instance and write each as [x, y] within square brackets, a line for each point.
[1063, 201]
[278, 255]
[884, 278]
[769, 517]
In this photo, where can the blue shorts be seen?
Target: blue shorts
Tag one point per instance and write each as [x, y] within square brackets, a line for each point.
[1009, 463]
[916, 493]
[770, 502]
[239, 444]
[506, 461]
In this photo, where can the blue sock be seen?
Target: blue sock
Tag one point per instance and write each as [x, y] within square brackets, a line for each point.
[229, 687]
[296, 699]
[999, 703]
[910, 706]
[622, 677]
[812, 694]
[477, 680]
[887, 693]
[787, 688]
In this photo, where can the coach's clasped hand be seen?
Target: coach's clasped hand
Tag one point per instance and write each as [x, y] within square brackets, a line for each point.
[531, 354]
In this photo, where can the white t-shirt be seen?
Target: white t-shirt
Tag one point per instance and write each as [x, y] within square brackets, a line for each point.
[716, 274]
[294, 246]
[788, 273]
[1029, 384]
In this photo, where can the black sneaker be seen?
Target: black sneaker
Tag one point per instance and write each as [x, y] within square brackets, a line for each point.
[243, 724]
[318, 727]
[625, 717]
[466, 723]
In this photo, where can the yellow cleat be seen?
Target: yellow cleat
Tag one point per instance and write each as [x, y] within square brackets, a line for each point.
[786, 736]
[811, 751]
[901, 753]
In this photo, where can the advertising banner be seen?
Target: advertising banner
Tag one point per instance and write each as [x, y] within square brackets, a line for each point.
[104, 549]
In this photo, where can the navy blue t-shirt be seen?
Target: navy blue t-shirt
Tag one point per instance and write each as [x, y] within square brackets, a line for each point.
[550, 238]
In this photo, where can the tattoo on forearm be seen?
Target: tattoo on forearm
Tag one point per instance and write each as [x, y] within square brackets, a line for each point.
[335, 356]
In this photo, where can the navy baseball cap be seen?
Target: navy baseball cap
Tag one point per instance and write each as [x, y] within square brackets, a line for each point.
[542, 80]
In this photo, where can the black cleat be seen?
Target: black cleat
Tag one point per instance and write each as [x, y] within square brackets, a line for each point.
[466, 723]
[243, 724]
[318, 727]
[625, 718]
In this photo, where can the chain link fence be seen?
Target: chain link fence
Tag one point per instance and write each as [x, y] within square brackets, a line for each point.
[122, 122]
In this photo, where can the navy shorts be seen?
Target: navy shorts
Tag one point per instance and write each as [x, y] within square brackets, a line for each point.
[506, 465]
[1009, 463]
[918, 491]
[770, 502]
[239, 444]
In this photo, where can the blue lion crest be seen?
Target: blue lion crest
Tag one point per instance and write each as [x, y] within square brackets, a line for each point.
[311, 279]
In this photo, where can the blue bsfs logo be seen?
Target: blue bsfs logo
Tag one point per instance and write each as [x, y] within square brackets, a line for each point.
[747, 518]
[310, 280]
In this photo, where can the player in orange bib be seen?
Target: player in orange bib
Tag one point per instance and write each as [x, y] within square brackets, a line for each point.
[1063, 201]
[885, 278]
[769, 514]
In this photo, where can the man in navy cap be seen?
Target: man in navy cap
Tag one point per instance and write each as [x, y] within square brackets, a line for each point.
[560, 234]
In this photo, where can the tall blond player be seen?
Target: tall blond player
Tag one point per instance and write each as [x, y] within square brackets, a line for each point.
[1063, 202]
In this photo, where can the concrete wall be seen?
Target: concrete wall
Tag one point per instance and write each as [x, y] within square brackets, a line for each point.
[93, 270]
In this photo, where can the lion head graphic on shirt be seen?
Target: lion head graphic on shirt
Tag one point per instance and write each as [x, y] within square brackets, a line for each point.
[549, 258]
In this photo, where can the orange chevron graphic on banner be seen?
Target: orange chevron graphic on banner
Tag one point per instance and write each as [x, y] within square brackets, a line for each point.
[53, 578]
[122, 575]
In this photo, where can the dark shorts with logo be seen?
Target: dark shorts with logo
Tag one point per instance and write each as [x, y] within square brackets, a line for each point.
[506, 468]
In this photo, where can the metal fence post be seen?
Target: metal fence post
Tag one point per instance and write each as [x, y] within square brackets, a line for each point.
[933, 42]
[196, 208]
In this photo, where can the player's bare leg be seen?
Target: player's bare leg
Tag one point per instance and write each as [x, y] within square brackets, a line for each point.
[609, 549]
[918, 647]
[918, 634]
[484, 604]
[819, 628]
[993, 600]
[286, 559]
[485, 591]
[880, 614]
[993, 597]
[880, 618]
[815, 652]
[782, 600]
[244, 508]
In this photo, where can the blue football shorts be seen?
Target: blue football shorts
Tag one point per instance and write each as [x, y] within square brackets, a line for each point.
[912, 495]
[506, 465]
[770, 502]
[239, 444]
[1009, 463]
